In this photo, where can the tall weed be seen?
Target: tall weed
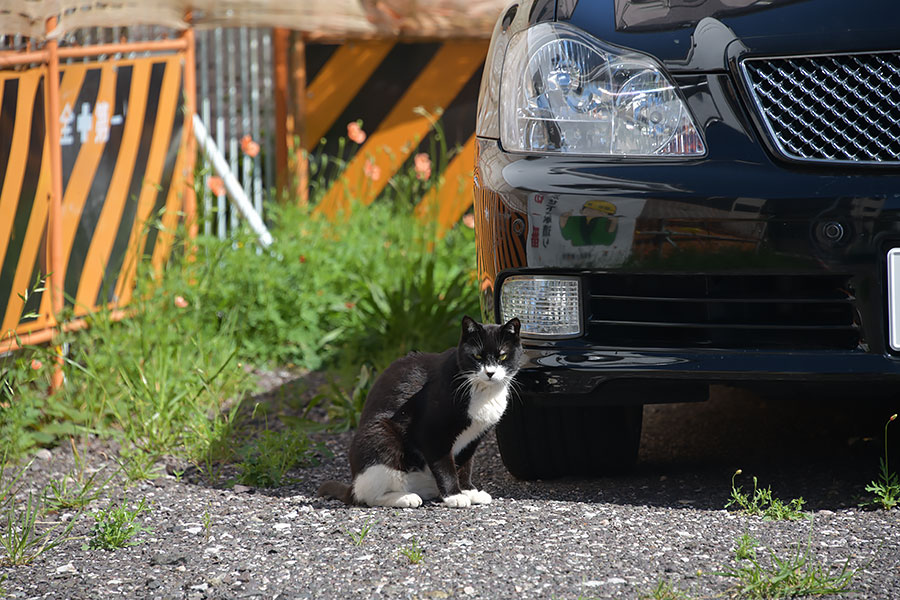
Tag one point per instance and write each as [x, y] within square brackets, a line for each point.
[324, 288]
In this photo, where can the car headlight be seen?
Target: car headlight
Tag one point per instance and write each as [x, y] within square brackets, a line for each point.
[546, 306]
[564, 91]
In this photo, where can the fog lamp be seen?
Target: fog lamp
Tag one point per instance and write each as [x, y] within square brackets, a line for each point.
[547, 306]
[893, 265]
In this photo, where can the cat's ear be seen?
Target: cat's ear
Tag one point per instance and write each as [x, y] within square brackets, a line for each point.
[512, 327]
[469, 326]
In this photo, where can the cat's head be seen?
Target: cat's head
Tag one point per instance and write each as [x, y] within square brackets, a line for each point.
[489, 354]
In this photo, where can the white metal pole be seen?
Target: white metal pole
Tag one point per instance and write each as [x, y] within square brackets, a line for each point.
[232, 186]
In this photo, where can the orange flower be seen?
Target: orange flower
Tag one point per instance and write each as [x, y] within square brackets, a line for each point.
[469, 220]
[216, 185]
[355, 132]
[180, 302]
[36, 364]
[349, 305]
[423, 166]
[371, 170]
[249, 147]
[302, 259]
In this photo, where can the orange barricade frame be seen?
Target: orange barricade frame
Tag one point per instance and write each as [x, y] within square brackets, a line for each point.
[48, 214]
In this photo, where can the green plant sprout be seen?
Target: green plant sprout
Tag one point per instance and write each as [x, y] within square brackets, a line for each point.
[764, 504]
[413, 552]
[665, 591]
[75, 490]
[358, 537]
[886, 489]
[116, 526]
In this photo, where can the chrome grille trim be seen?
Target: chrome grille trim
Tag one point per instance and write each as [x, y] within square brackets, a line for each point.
[829, 108]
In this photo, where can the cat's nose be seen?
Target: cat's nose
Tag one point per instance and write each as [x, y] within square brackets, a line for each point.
[490, 374]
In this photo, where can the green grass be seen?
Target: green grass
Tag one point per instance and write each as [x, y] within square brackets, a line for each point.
[745, 547]
[413, 552]
[207, 522]
[763, 503]
[665, 591]
[886, 489]
[359, 536]
[344, 406]
[266, 461]
[76, 489]
[117, 526]
[789, 576]
[23, 537]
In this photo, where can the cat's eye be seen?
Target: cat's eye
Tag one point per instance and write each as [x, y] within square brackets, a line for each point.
[503, 356]
[477, 357]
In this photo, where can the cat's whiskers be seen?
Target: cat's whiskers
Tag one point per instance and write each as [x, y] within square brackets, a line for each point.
[465, 386]
[515, 387]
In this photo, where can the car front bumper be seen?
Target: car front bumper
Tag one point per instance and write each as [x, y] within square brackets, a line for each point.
[740, 216]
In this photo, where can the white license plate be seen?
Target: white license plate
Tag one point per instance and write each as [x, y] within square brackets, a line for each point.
[893, 273]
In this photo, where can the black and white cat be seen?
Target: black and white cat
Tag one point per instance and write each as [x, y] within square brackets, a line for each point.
[423, 420]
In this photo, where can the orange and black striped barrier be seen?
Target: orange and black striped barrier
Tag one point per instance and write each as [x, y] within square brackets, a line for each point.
[90, 154]
[381, 84]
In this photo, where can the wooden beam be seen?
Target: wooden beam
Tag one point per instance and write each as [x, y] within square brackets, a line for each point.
[283, 134]
[298, 74]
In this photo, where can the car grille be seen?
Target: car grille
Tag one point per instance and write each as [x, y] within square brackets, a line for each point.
[722, 311]
[843, 108]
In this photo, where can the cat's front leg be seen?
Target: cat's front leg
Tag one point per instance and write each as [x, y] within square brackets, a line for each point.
[445, 476]
[476, 496]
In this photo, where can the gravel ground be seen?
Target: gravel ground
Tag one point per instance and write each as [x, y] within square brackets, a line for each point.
[607, 538]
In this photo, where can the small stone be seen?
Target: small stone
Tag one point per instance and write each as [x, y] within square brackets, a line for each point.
[168, 558]
[153, 583]
[281, 526]
[194, 530]
[43, 454]
[201, 587]
[616, 580]
[469, 590]
[68, 569]
[242, 489]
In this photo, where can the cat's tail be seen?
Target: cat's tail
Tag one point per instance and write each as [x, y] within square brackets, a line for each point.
[338, 491]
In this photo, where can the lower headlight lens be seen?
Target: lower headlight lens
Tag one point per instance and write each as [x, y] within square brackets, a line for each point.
[547, 306]
[564, 91]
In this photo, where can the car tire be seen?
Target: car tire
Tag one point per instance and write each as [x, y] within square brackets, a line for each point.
[545, 442]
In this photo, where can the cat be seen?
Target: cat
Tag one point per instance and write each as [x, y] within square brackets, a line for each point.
[425, 416]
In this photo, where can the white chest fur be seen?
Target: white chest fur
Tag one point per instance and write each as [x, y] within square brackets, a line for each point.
[486, 406]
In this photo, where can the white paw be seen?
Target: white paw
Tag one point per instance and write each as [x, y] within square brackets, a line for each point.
[458, 501]
[478, 496]
[408, 501]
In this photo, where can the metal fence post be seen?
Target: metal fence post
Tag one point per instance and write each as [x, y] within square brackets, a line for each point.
[190, 146]
[57, 268]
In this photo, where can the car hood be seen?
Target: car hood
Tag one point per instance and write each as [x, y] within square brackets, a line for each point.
[699, 35]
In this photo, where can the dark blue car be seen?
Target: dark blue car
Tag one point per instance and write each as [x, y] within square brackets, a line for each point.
[674, 193]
